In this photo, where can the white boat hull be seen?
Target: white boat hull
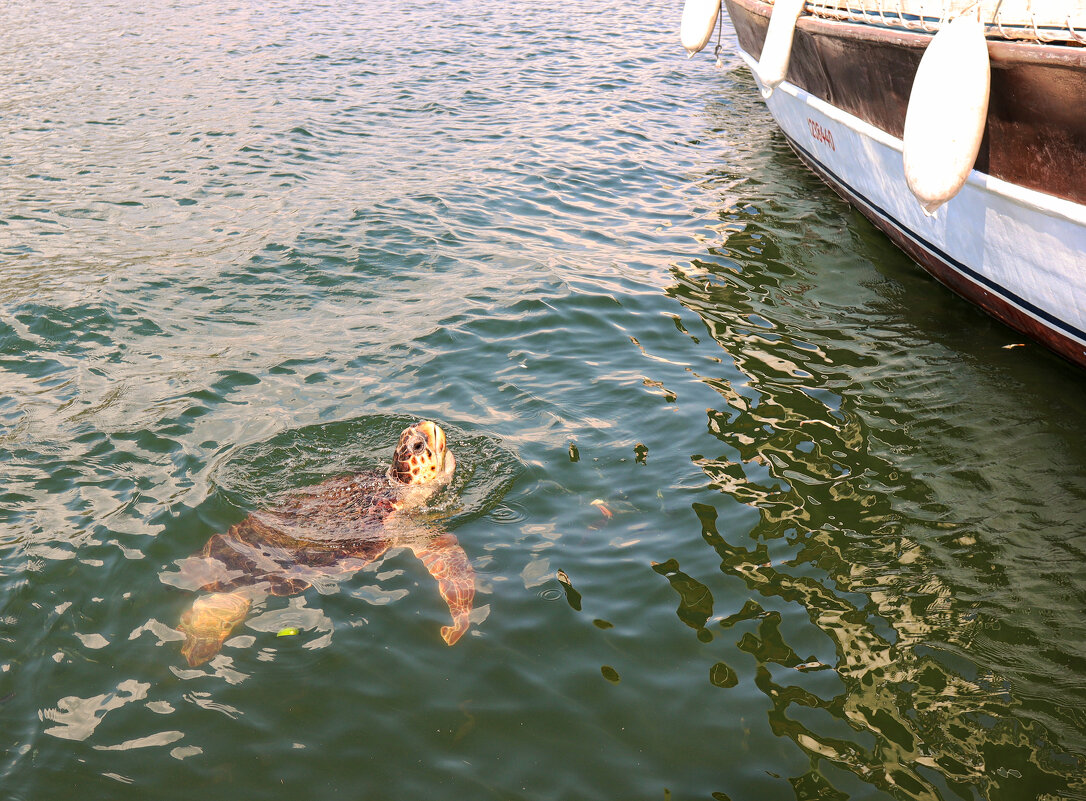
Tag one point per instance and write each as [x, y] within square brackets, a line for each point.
[1018, 253]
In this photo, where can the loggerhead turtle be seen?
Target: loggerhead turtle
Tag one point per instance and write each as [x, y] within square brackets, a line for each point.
[333, 528]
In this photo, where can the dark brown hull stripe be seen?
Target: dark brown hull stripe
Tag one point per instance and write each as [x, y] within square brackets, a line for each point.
[1002, 292]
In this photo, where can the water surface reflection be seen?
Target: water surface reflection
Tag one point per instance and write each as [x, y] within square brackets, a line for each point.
[886, 519]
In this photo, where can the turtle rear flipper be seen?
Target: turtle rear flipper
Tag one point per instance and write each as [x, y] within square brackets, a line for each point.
[209, 622]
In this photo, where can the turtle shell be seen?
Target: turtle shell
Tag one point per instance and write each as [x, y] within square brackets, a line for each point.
[333, 528]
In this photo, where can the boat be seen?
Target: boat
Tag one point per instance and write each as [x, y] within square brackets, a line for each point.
[845, 80]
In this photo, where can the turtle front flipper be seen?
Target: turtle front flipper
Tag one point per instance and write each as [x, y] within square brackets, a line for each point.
[209, 622]
[448, 564]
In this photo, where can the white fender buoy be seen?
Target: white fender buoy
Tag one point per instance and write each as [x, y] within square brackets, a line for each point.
[947, 110]
[698, 21]
[777, 49]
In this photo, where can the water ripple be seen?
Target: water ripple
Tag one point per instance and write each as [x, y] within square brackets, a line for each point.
[824, 532]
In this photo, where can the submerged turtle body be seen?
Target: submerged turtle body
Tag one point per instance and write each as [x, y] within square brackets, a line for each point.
[336, 527]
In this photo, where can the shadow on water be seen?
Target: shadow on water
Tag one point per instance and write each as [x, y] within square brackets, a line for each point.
[890, 452]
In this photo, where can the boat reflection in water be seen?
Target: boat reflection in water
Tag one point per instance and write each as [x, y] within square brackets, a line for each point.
[948, 622]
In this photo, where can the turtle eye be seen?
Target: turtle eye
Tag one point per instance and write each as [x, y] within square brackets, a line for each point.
[417, 446]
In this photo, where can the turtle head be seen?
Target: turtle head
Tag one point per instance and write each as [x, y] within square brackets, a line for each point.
[421, 456]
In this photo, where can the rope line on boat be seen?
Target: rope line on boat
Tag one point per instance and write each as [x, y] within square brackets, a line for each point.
[719, 31]
[1077, 36]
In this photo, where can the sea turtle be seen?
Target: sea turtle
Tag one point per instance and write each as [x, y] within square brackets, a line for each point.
[332, 528]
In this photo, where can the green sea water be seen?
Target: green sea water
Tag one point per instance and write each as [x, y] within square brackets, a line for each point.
[822, 536]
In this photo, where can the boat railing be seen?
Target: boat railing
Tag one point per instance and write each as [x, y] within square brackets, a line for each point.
[1048, 21]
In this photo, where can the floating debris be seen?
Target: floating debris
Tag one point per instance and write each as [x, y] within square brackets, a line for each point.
[573, 598]
[289, 631]
[603, 508]
[813, 665]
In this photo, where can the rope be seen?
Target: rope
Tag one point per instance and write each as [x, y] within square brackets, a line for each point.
[719, 30]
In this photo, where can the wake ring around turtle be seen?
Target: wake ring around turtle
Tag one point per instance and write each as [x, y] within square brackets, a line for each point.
[335, 527]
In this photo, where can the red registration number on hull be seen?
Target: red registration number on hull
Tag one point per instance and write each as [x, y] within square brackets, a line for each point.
[820, 134]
